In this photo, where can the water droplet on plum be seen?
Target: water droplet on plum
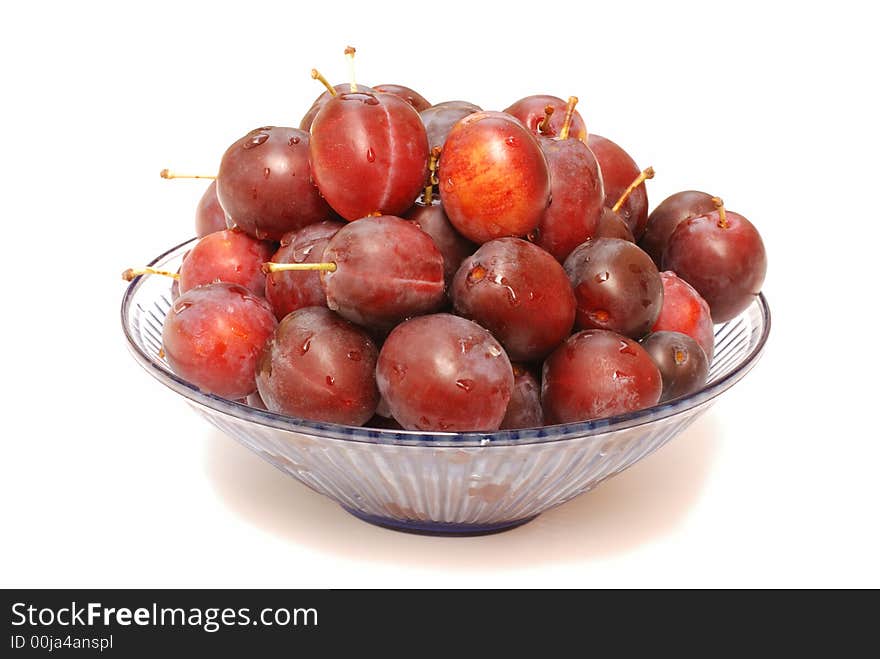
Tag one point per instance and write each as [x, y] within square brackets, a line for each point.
[255, 140]
[466, 344]
[511, 294]
[626, 349]
[181, 306]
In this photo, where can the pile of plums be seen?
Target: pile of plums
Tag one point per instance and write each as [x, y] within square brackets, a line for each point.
[398, 264]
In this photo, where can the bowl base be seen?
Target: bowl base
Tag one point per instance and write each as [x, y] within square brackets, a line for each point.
[420, 527]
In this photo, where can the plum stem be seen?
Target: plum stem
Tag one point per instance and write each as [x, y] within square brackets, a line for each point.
[722, 214]
[317, 75]
[269, 267]
[544, 126]
[168, 174]
[131, 273]
[349, 53]
[569, 113]
[641, 178]
[432, 175]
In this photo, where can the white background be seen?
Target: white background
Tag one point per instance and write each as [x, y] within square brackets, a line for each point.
[108, 479]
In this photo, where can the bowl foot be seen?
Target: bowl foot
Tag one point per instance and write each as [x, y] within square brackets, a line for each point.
[420, 527]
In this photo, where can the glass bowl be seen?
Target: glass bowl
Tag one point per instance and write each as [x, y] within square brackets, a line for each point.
[443, 483]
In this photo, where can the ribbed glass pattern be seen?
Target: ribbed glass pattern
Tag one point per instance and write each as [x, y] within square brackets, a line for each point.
[444, 482]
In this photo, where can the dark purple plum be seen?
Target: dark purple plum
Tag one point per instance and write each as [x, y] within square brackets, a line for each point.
[518, 292]
[289, 291]
[319, 366]
[682, 363]
[595, 374]
[722, 256]
[444, 373]
[617, 287]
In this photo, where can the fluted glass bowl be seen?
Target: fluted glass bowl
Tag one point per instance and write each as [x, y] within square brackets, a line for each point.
[445, 483]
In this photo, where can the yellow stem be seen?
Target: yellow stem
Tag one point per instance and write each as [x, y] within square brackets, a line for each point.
[316, 75]
[432, 177]
[641, 178]
[285, 267]
[131, 273]
[544, 126]
[569, 113]
[722, 214]
[168, 174]
[349, 53]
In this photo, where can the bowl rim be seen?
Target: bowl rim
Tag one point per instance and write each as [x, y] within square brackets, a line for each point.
[369, 435]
